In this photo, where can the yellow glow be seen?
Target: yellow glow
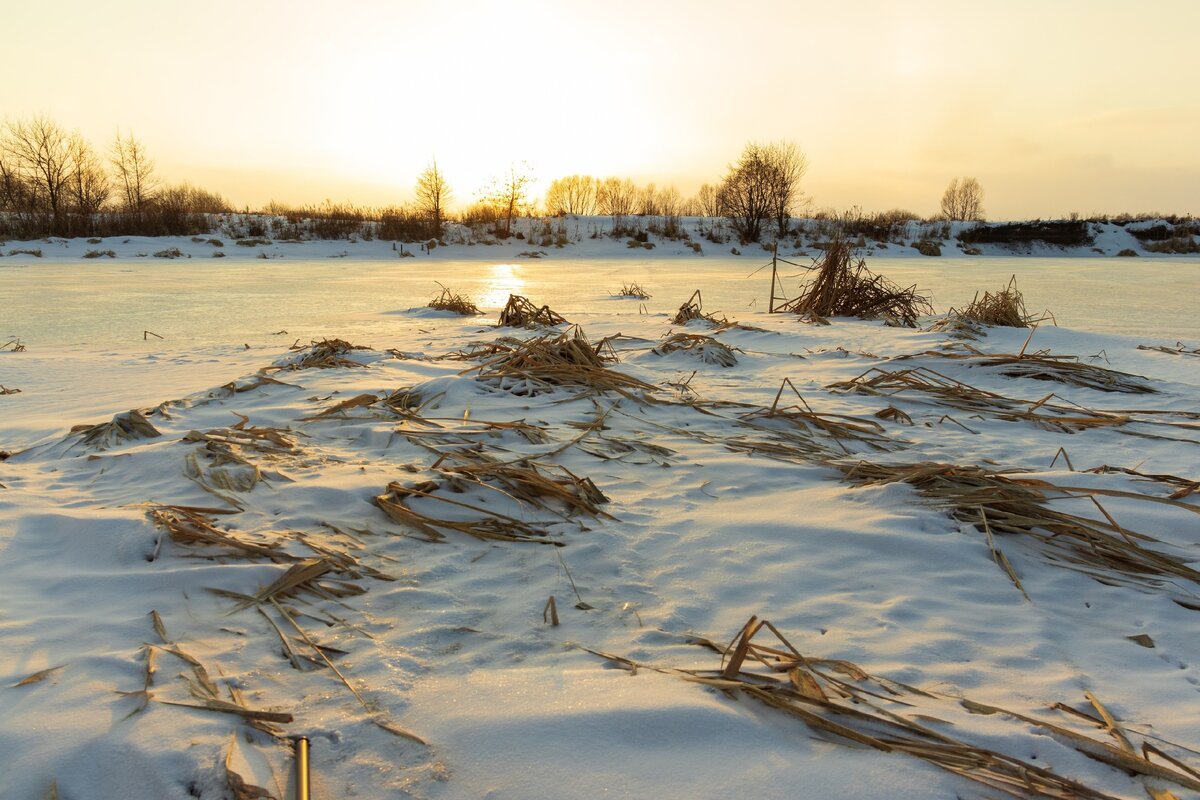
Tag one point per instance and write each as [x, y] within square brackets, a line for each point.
[1071, 105]
[502, 280]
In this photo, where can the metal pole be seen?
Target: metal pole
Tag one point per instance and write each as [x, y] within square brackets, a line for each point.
[301, 751]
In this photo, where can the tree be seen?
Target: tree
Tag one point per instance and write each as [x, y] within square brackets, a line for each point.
[433, 193]
[509, 194]
[786, 165]
[745, 194]
[134, 173]
[89, 186]
[37, 151]
[706, 201]
[574, 194]
[963, 200]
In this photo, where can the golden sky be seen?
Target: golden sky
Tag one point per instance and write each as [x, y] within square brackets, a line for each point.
[1055, 106]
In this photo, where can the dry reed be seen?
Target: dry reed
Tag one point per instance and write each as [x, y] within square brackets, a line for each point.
[705, 348]
[551, 361]
[845, 704]
[693, 308]
[844, 287]
[633, 290]
[323, 354]
[456, 303]
[1005, 308]
[128, 426]
[519, 312]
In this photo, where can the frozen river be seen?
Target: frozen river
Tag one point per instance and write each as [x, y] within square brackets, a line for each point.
[55, 303]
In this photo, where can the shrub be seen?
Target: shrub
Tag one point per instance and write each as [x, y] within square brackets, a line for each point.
[19, 252]
[170, 252]
[216, 242]
[255, 242]
[218, 254]
[1128, 253]
[928, 248]
[99, 254]
[94, 240]
[1177, 244]
[1065, 234]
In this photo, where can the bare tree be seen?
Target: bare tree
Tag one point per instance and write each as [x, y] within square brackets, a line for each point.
[574, 194]
[433, 193]
[134, 173]
[509, 194]
[89, 184]
[963, 200]
[786, 165]
[745, 195]
[38, 152]
[706, 201]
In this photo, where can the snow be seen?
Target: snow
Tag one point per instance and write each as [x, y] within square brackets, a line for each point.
[699, 536]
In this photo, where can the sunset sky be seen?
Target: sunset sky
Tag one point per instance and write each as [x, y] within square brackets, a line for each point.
[1055, 106]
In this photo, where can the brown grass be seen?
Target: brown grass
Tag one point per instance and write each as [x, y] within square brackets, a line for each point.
[633, 290]
[455, 303]
[1005, 308]
[125, 427]
[324, 354]
[842, 703]
[693, 308]
[519, 312]
[705, 348]
[844, 287]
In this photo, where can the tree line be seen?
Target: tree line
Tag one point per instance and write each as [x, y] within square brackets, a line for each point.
[54, 182]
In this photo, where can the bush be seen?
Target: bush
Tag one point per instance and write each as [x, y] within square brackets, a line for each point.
[170, 252]
[1064, 234]
[218, 254]
[216, 242]
[255, 242]
[928, 248]
[18, 252]
[1178, 244]
[94, 240]
[99, 254]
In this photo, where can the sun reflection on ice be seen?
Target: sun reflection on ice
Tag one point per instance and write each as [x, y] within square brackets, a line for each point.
[501, 281]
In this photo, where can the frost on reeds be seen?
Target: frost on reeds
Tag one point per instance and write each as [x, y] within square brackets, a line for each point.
[554, 490]
[705, 348]
[1008, 504]
[454, 303]
[125, 427]
[844, 704]
[551, 361]
[323, 354]
[633, 290]
[693, 308]
[843, 287]
[519, 312]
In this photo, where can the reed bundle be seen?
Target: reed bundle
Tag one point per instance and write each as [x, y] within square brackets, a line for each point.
[705, 348]
[633, 290]
[1004, 308]
[551, 361]
[844, 287]
[693, 308]
[840, 427]
[999, 504]
[554, 490]
[8, 390]
[455, 303]
[845, 704]
[194, 528]
[520, 312]
[1043, 366]
[947, 392]
[324, 354]
[127, 426]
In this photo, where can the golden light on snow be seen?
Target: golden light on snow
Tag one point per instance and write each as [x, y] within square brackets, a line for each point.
[501, 281]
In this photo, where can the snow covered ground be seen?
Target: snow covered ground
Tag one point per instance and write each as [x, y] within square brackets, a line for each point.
[226, 548]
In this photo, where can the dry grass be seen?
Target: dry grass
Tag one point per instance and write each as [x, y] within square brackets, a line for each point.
[633, 290]
[705, 348]
[1044, 366]
[4, 390]
[1005, 308]
[841, 428]
[693, 308]
[552, 361]
[844, 287]
[323, 354]
[554, 490]
[519, 312]
[843, 703]
[1007, 504]
[1180, 349]
[125, 427]
[949, 393]
[13, 346]
[455, 303]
